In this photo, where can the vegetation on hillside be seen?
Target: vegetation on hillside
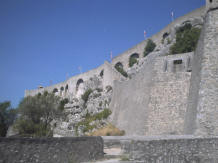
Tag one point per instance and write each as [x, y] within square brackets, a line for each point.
[86, 122]
[149, 47]
[36, 114]
[7, 117]
[186, 39]
[121, 70]
[85, 96]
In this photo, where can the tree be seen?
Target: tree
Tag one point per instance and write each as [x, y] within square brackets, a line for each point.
[149, 47]
[186, 39]
[36, 115]
[7, 116]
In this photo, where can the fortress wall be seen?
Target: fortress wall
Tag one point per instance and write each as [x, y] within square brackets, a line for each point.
[169, 95]
[50, 150]
[71, 82]
[130, 100]
[190, 117]
[144, 104]
[204, 83]
[157, 38]
[110, 74]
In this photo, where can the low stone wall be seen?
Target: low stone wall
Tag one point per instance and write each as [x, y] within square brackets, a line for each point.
[172, 149]
[50, 150]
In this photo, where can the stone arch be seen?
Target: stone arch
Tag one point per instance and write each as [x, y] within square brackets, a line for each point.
[118, 65]
[80, 81]
[165, 35]
[133, 59]
[55, 90]
[79, 87]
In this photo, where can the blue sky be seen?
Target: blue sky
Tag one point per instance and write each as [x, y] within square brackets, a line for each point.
[44, 40]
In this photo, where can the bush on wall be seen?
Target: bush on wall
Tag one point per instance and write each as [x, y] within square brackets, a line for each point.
[149, 47]
[186, 39]
[132, 61]
[121, 70]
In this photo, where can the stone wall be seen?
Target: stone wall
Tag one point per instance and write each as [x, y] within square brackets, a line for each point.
[169, 95]
[177, 149]
[130, 100]
[202, 113]
[50, 150]
[154, 101]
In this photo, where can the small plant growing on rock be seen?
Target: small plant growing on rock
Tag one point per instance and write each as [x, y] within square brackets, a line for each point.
[62, 103]
[85, 96]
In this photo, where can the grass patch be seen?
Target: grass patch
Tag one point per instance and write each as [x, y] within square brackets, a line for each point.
[109, 130]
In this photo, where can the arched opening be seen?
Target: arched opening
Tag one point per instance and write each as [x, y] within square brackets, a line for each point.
[133, 59]
[101, 73]
[79, 82]
[55, 90]
[165, 35]
[119, 68]
[211, 1]
[118, 65]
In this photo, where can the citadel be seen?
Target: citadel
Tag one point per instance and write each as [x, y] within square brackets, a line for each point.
[170, 97]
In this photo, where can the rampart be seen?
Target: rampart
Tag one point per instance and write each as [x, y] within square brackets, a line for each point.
[156, 98]
[48, 150]
[194, 16]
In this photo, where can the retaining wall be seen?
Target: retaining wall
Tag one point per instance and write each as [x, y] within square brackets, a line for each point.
[50, 150]
[181, 149]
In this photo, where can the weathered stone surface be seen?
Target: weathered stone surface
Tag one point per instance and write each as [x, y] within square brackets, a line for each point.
[49, 150]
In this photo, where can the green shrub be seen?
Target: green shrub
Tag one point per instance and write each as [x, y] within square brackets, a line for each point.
[121, 70]
[186, 39]
[85, 96]
[149, 47]
[90, 118]
[7, 117]
[62, 103]
[36, 114]
[132, 61]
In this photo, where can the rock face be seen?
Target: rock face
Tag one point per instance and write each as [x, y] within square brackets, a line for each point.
[75, 111]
